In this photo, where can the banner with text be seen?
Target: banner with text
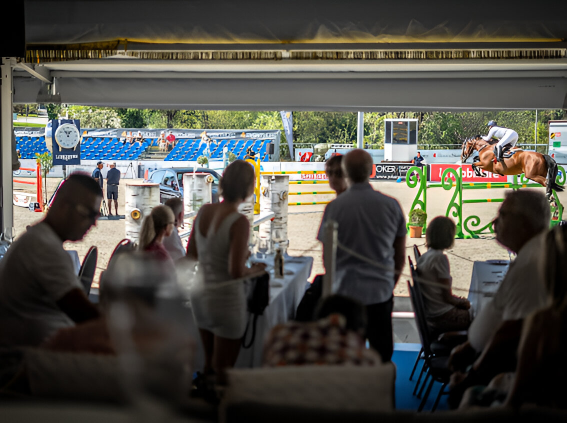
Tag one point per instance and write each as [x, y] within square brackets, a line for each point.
[287, 120]
[436, 170]
[389, 171]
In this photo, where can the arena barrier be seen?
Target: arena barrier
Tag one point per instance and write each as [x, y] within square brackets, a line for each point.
[24, 199]
[451, 179]
[305, 172]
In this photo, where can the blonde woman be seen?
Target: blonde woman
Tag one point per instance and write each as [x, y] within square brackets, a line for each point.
[444, 311]
[157, 226]
[219, 241]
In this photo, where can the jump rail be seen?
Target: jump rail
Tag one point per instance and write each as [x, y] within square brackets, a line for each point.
[451, 180]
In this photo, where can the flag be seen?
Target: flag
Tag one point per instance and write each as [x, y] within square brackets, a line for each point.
[287, 119]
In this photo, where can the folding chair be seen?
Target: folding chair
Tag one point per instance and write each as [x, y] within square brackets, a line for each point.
[435, 365]
[88, 268]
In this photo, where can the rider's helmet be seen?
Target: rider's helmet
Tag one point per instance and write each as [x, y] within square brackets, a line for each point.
[491, 123]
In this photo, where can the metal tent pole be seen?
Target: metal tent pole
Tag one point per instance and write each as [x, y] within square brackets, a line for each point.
[360, 131]
[329, 256]
[7, 186]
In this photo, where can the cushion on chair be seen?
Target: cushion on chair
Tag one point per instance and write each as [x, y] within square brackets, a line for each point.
[73, 376]
[356, 388]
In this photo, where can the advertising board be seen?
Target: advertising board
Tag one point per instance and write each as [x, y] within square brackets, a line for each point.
[437, 169]
[390, 170]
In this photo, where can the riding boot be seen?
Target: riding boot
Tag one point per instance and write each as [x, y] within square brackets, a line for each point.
[499, 155]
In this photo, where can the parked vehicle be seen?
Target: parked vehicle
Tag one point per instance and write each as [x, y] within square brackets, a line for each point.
[170, 181]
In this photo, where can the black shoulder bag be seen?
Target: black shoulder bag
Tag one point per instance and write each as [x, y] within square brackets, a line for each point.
[257, 303]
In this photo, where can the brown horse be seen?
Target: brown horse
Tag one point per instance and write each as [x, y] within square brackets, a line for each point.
[538, 167]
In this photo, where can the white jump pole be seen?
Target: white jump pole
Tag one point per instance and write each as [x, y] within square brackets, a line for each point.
[329, 256]
[141, 198]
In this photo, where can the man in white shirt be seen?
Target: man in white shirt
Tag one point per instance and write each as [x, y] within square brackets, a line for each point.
[504, 135]
[172, 243]
[373, 225]
[520, 226]
[39, 290]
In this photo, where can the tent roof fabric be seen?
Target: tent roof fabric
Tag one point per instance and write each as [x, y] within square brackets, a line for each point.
[359, 55]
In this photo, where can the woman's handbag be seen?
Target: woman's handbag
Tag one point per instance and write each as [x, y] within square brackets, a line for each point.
[257, 303]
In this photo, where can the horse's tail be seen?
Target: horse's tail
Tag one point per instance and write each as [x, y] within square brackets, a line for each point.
[552, 174]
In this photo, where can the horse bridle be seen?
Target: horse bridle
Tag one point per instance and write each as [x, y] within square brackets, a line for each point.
[464, 156]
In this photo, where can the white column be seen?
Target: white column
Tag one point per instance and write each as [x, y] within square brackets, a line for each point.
[274, 198]
[360, 131]
[197, 190]
[6, 119]
[141, 198]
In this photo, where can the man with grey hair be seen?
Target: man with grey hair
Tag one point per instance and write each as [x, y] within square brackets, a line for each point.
[494, 334]
[172, 243]
[371, 225]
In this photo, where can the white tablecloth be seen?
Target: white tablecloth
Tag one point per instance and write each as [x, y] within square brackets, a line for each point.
[486, 278]
[285, 295]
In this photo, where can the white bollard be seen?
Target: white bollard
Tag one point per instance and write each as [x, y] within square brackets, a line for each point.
[274, 198]
[197, 190]
[141, 198]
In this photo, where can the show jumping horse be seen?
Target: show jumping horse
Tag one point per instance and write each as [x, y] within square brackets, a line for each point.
[538, 167]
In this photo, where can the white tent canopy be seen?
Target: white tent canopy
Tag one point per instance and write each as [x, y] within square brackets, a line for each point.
[360, 55]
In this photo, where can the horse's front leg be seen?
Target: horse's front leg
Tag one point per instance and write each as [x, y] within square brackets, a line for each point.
[476, 167]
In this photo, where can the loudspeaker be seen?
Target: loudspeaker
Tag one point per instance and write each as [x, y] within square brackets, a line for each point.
[271, 148]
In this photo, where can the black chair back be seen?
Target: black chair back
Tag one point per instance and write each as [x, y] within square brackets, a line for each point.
[416, 252]
[419, 311]
[123, 246]
[88, 268]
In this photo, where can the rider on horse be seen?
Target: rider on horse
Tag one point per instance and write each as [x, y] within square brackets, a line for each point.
[504, 135]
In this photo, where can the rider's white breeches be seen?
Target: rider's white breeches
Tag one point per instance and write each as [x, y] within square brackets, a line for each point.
[511, 137]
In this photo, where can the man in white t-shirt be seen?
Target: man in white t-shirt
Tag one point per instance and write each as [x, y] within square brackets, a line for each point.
[39, 290]
[173, 243]
[521, 226]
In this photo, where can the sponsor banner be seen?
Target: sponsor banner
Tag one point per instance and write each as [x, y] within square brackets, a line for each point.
[390, 171]
[314, 176]
[287, 120]
[436, 170]
[303, 154]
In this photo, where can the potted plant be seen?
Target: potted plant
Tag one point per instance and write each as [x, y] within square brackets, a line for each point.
[203, 161]
[417, 219]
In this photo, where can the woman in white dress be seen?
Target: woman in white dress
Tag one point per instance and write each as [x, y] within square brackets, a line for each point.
[219, 241]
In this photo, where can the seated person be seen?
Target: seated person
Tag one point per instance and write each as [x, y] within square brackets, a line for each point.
[40, 292]
[139, 137]
[334, 172]
[129, 138]
[541, 355]
[250, 154]
[494, 334]
[335, 338]
[173, 243]
[134, 279]
[444, 311]
[156, 226]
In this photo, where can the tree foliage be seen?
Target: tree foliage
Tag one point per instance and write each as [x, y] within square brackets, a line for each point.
[436, 129]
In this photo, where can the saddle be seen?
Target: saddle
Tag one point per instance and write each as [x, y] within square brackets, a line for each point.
[507, 152]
